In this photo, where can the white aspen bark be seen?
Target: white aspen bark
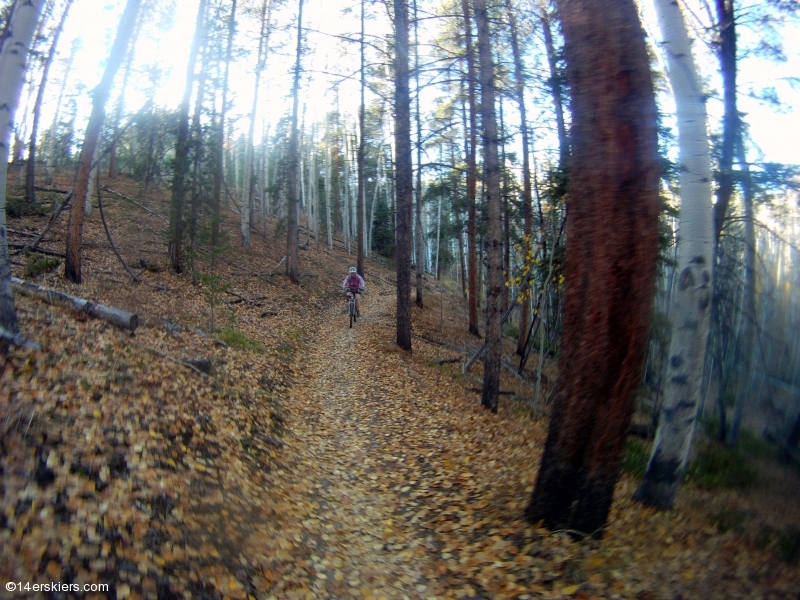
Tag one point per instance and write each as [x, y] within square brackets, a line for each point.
[314, 184]
[378, 182]
[13, 54]
[691, 299]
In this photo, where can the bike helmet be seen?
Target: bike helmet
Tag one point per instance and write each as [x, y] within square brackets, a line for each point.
[352, 269]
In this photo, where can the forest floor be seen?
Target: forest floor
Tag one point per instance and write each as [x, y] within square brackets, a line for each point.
[315, 460]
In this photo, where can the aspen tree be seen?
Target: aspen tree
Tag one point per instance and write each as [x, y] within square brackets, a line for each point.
[690, 300]
[14, 48]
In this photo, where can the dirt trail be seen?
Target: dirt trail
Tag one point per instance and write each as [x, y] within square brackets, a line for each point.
[341, 537]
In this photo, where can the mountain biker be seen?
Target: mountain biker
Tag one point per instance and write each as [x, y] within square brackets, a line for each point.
[354, 284]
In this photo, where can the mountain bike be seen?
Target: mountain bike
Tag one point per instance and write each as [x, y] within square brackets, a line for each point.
[351, 306]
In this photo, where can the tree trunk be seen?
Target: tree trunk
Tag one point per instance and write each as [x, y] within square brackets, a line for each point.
[197, 134]
[612, 245]
[506, 222]
[30, 167]
[472, 218]
[360, 206]
[403, 173]
[556, 86]
[292, 236]
[72, 264]
[118, 317]
[419, 240]
[219, 171]
[16, 43]
[328, 223]
[689, 308]
[182, 151]
[112, 154]
[527, 191]
[51, 141]
[748, 331]
[730, 118]
[494, 239]
[263, 51]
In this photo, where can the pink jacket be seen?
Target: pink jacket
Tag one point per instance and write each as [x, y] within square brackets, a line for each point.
[357, 279]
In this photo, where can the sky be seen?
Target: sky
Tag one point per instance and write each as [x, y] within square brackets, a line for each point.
[95, 21]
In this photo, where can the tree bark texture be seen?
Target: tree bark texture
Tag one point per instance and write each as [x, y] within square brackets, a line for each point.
[219, 170]
[612, 244]
[116, 316]
[472, 218]
[419, 239]
[112, 154]
[494, 234]
[360, 208]
[72, 264]
[30, 167]
[16, 43]
[527, 188]
[176, 225]
[747, 335]
[556, 89]
[690, 300]
[730, 117]
[403, 173]
[292, 221]
[51, 140]
[261, 58]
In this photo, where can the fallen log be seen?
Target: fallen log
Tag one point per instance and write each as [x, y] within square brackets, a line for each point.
[39, 250]
[15, 339]
[443, 361]
[186, 363]
[152, 213]
[270, 440]
[115, 316]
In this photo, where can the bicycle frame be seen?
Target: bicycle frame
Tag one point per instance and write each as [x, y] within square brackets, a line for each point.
[351, 306]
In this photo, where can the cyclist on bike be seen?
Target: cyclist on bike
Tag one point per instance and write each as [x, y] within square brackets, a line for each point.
[354, 284]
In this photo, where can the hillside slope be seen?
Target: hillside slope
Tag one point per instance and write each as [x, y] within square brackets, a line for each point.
[315, 460]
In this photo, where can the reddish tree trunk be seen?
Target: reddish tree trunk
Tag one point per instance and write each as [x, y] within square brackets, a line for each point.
[612, 245]
[72, 264]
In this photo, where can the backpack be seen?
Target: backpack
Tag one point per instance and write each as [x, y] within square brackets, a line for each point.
[353, 283]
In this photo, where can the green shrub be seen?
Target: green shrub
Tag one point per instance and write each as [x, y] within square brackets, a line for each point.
[716, 466]
[19, 207]
[40, 264]
[237, 339]
[637, 454]
[730, 518]
[511, 330]
[757, 446]
[789, 544]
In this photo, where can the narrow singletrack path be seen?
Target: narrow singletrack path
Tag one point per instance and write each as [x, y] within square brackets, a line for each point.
[341, 534]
